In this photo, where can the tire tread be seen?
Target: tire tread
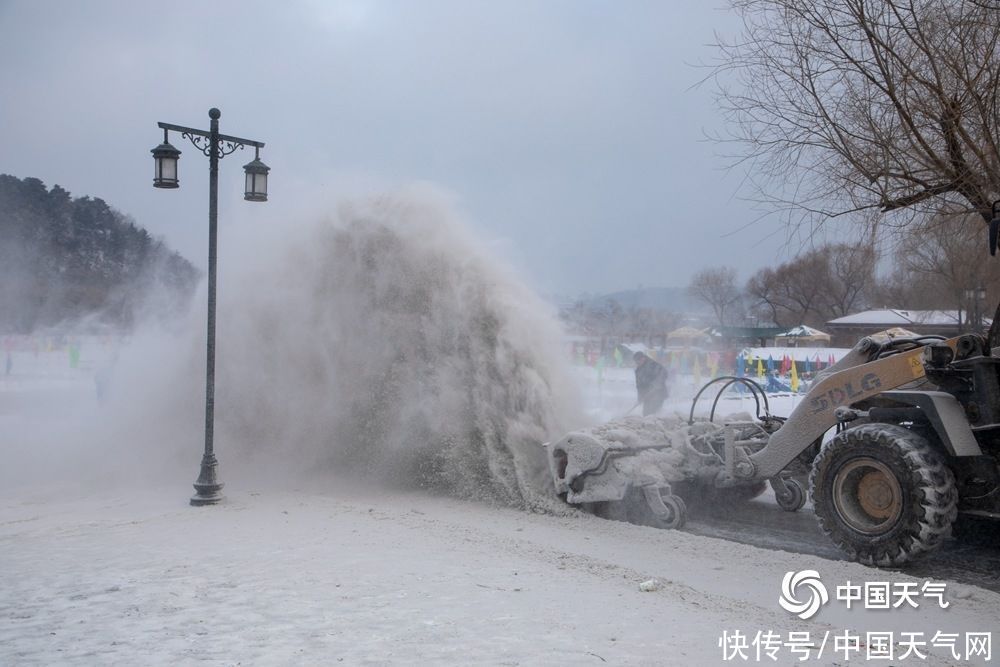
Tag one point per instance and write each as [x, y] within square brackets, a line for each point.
[931, 481]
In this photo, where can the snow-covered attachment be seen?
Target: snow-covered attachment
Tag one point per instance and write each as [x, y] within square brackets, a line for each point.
[635, 461]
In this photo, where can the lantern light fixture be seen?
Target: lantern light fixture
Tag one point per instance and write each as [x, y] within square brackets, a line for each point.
[165, 159]
[256, 173]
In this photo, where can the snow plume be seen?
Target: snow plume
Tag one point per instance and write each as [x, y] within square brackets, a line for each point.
[382, 343]
[385, 342]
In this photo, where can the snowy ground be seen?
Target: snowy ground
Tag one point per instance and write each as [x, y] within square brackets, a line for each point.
[328, 571]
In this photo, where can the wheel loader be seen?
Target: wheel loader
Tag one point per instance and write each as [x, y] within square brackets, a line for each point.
[897, 438]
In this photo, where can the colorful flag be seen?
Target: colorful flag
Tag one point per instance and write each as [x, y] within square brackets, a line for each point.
[795, 379]
[760, 367]
[770, 364]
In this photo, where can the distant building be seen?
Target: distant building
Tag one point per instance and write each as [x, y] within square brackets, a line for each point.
[802, 336]
[688, 337]
[846, 331]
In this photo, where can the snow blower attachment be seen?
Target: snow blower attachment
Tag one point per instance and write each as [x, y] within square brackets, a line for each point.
[915, 426]
[641, 468]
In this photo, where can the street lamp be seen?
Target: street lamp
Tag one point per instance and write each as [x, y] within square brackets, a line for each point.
[215, 146]
[256, 187]
[166, 157]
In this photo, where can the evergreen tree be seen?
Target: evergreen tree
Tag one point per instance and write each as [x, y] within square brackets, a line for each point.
[62, 259]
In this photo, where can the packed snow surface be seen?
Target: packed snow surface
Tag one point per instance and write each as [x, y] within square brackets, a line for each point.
[346, 575]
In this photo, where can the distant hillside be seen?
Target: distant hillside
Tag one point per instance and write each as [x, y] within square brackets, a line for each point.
[64, 259]
[665, 299]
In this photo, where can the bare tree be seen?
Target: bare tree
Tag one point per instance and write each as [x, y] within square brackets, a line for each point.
[792, 293]
[717, 287]
[932, 267]
[866, 105]
[817, 286]
[766, 299]
[607, 318]
[850, 278]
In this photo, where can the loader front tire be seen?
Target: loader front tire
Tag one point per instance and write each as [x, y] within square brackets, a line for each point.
[883, 494]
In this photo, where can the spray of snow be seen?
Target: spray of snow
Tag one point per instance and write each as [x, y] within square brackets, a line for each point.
[387, 343]
[383, 343]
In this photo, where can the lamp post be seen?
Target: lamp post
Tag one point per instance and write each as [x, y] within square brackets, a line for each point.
[215, 146]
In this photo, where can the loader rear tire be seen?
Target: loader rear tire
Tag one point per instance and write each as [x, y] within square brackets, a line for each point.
[883, 494]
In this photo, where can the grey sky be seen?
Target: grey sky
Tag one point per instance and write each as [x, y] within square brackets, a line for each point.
[567, 129]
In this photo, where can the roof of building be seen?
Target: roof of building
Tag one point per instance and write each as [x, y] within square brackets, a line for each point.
[687, 332]
[745, 332]
[890, 317]
[803, 331]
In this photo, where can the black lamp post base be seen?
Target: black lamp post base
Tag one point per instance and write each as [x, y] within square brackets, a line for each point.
[208, 486]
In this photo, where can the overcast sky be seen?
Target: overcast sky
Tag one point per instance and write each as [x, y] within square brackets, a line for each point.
[568, 131]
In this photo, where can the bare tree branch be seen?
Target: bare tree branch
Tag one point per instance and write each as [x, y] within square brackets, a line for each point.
[717, 287]
[841, 106]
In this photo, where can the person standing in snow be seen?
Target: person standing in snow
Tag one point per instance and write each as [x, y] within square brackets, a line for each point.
[650, 383]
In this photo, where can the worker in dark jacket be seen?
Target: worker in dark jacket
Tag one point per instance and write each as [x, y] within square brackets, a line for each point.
[650, 383]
